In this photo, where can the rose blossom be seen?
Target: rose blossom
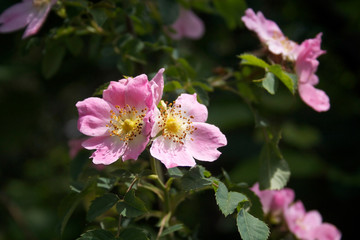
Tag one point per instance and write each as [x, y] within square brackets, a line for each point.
[306, 66]
[274, 201]
[119, 123]
[188, 25]
[181, 133]
[270, 34]
[308, 225]
[30, 13]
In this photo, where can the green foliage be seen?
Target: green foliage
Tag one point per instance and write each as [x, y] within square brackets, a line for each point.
[53, 56]
[133, 233]
[269, 83]
[100, 205]
[251, 228]
[231, 11]
[227, 201]
[97, 234]
[195, 178]
[131, 206]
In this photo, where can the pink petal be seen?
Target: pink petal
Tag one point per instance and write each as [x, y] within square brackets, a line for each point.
[312, 219]
[155, 128]
[315, 98]
[188, 25]
[265, 197]
[157, 86]
[16, 17]
[171, 154]
[191, 108]
[326, 231]
[108, 149]
[293, 214]
[134, 92]
[135, 147]
[206, 139]
[38, 17]
[94, 114]
[282, 199]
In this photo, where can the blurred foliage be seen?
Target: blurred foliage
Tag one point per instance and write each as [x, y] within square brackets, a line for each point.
[87, 44]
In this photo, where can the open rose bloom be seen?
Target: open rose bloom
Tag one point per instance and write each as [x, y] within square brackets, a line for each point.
[119, 123]
[270, 35]
[181, 133]
[30, 13]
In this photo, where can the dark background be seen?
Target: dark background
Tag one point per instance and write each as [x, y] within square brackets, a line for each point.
[38, 118]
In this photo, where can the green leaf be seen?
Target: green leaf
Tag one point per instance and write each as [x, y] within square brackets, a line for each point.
[288, 80]
[227, 201]
[195, 179]
[132, 233]
[74, 44]
[107, 183]
[175, 172]
[53, 57]
[99, 15]
[231, 10]
[274, 170]
[269, 83]
[67, 207]
[172, 86]
[100, 205]
[251, 228]
[169, 11]
[78, 164]
[131, 206]
[172, 229]
[252, 60]
[97, 234]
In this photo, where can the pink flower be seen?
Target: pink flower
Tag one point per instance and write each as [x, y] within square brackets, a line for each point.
[188, 25]
[183, 135]
[308, 225]
[270, 34]
[30, 13]
[306, 66]
[274, 201]
[119, 123]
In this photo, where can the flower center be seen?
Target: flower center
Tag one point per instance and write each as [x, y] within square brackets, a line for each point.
[174, 123]
[126, 123]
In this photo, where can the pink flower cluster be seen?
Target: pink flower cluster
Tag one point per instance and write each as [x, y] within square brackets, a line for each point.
[122, 122]
[279, 206]
[304, 55]
[30, 13]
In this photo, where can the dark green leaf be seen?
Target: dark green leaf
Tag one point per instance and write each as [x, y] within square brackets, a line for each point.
[227, 201]
[132, 233]
[99, 15]
[175, 172]
[67, 207]
[78, 164]
[172, 229]
[251, 228]
[54, 54]
[97, 234]
[100, 205]
[195, 179]
[106, 183]
[131, 206]
[74, 44]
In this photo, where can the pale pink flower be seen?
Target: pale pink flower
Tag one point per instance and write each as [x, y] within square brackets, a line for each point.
[119, 123]
[270, 34]
[306, 66]
[188, 25]
[30, 13]
[274, 201]
[181, 133]
[308, 225]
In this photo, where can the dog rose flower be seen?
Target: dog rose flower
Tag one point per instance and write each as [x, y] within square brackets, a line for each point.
[119, 124]
[270, 34]
[30, 13]
[306, 66]
[181, 133]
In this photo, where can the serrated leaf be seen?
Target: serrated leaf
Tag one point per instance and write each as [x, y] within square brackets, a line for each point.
[274, 170]
[100, 205]
[97, 234]
[269, 83]
[131, 206]
[227, 201]
[252, 60]
[284, 77]
[132, 233]
[195, 179]
[251, 228]
[172, 229]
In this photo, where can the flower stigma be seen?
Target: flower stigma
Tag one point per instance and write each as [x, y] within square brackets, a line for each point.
[175, 124]
[126, 123]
